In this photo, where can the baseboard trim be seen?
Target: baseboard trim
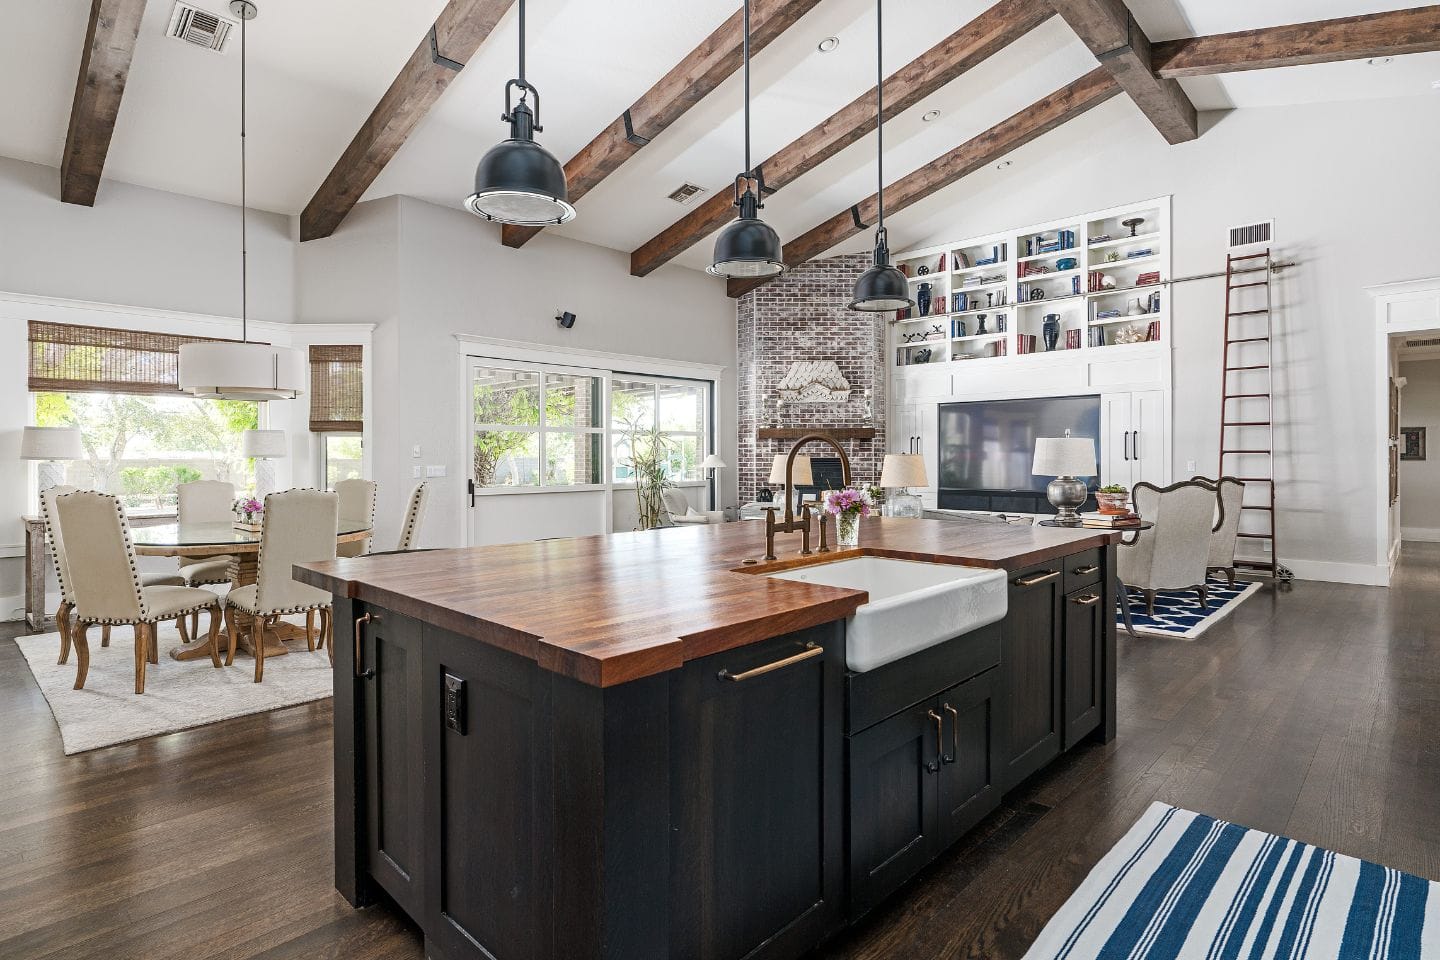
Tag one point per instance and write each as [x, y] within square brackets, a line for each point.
[1420, 534]
[1367, 574]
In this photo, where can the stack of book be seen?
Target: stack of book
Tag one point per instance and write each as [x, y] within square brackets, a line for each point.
[1109, 520]
[1024, 343]
[1152, 333]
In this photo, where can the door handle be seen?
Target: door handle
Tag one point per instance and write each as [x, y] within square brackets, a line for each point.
[1087, 601]
[1087, 570]
[811, 650]
[1135, 444]
[954, 734]
[934, 765]
[470, 487]
[1035, 578]
[1125, 444]
[360, 672]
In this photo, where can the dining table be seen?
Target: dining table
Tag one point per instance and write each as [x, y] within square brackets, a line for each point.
[200, 540]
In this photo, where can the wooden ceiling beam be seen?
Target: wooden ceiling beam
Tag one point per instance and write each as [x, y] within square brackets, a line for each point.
[1389, 34]
[1110, 31]
[978, 40]
[457, 33]
[104, 68]
[688, 82]
[1015, 131]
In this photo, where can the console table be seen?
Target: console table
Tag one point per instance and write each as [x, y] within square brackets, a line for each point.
[37, 561]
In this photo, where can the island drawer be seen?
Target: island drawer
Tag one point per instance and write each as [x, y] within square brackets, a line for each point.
[885, 691]
[1082, 569]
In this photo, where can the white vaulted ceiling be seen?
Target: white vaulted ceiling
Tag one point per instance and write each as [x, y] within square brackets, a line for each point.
[319, 66]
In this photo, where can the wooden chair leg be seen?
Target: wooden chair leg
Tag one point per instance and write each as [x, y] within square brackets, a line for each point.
[142, 643]
[185, 634]
[257, 640]
[62, 623]
[152, 641]
[1204, 592]
[327, 631]
[104, 634]
[214, 640]
[194, 623]
[82, 655]
[232, 635]
[310, 630]
[1149, 602]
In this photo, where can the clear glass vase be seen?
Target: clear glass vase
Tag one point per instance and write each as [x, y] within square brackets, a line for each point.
[847, 529]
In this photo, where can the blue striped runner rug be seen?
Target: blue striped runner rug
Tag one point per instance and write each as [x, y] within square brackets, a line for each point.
[1186, 886]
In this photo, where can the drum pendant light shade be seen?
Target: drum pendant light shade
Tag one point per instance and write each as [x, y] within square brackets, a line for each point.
[747, 246]
[881, 289]
[520, 182]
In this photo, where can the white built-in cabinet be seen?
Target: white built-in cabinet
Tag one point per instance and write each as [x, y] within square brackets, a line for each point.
[1133, 441]
[915, 428]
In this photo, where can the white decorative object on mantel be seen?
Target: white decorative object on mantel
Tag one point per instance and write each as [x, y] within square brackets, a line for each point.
[814, 381]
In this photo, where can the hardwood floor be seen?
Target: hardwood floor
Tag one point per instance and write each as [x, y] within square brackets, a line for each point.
[1311, 712]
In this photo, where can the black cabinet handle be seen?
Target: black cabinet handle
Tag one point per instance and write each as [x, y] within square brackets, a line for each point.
[1125, 444]
[360, 672]
[1135, 444]
[811, 650]
[954, 734]
[1035, 578]
[934, 765]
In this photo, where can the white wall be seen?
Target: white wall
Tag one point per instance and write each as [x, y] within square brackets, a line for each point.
[1420, 479]
[1353, 192]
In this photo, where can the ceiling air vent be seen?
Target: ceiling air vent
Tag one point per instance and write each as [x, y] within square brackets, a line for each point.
[199, 27]
[686, 192]
[1243, 236]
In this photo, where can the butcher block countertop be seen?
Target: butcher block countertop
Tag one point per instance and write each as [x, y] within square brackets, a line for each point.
[605, 610]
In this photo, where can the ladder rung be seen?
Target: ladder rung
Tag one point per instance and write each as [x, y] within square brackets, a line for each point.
[1248, 340]
[1247, 423]
[1242, 396]
[1252, 366]
[1250, 256]
[1257, 283]
[1256, 479]
[1224, 452]
[1256, 536]
[1256, 564]
[1247, 506]
[1247, 313]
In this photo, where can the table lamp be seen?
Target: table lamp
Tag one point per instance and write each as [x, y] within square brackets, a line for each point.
[712, 463]
[265, 446]
[900, 472]
[51, 446]
[1065, 458]
[800, 475]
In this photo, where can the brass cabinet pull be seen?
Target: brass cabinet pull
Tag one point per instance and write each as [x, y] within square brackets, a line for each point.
[939, 741]
[1087, 601]
[360, 671]
[811, 650]
[1087, 570]
[1035, 578]
[954, 733]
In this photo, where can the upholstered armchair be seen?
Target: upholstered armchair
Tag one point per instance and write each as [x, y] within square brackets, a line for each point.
[1229, 495]
[682, 514]
[1173, 554]
[107, 588]
[300, 527]
[357, 508]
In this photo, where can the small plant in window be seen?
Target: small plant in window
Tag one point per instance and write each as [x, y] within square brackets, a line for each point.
[649, 463]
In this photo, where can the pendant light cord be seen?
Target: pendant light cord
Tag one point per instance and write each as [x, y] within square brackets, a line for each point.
[522, 49]
[244, 245]
[880, 114]
[747, 89]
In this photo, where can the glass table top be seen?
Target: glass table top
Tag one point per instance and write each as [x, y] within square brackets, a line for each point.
[212, 534]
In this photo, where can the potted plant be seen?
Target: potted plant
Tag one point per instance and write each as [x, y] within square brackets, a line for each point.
[249, 512]
[847, 506]
[1113, 500]
[649, 462]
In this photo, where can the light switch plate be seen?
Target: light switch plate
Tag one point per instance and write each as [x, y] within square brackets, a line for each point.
[1190, 467]
[415, 472]
[435, 471]
[415, 452]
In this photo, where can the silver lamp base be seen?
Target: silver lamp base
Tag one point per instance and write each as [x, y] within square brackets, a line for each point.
[1065, 495]
[903, 503]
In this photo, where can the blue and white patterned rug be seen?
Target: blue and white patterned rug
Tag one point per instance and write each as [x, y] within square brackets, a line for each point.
[1179, 614]
[1184, 886]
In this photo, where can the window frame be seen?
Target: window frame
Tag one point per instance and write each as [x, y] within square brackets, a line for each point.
[705, 435]
[542, 430]
[322, 454]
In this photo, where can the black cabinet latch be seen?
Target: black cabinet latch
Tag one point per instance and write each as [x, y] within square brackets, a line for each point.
[455, 703]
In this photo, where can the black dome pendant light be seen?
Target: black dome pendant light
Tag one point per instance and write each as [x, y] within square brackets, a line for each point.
[747, 247]
[881, 288]
[518, 181]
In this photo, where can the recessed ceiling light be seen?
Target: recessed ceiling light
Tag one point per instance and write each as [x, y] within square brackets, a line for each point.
[930, 115]
[828, 44]
[1002, 164]
[1379, 61]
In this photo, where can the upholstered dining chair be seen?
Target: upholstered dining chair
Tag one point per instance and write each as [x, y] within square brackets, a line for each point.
[414, 516]
[107, 588]
[1225, 535]
[357, 507]
[300, 526]
[1172, 555]
[205, 501]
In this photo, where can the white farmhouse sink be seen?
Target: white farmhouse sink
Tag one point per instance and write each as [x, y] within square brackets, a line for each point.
[912, 605]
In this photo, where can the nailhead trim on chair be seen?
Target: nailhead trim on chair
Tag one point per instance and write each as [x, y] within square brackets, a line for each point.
[149, 619]
[55, 557]
[407, 537]
[259, 560]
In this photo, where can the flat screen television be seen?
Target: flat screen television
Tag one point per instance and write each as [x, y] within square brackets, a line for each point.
[988, 446]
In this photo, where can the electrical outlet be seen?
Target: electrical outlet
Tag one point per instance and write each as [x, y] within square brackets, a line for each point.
[435, 471]
[415, 472]
[1190, 467]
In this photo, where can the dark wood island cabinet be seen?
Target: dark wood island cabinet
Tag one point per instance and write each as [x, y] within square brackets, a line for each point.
[639, 746]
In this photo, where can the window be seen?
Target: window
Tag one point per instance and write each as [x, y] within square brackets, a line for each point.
[340, 454]
[337, 388]
[668, 417]
[536, 427]
[139, 446]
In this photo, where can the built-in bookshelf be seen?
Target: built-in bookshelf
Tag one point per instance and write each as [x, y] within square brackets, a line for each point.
[1095, 281]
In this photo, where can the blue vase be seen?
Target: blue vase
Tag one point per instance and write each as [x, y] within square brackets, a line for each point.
[922, 299]
[1050, 331]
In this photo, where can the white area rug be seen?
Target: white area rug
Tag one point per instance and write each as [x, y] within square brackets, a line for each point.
[177, 695]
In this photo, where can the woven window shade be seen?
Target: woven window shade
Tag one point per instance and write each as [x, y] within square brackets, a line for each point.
[337, 392]
[67, 358]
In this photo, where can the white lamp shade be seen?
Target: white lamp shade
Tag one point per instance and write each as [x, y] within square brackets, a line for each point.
[903, 470]
[231, 370]
[799, 476]
[51, 443]
[712, 462]
[267, 444]
[1064, 457]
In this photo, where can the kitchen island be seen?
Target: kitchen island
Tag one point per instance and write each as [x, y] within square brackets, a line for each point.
[645, 746]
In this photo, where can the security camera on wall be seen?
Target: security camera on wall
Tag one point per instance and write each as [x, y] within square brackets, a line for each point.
[566, 319]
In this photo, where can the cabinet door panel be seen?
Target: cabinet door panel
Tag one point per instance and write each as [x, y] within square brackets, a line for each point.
[1030, 668]
[1116, 464]
[1147, 439]
[968, 787]
[393, 769]
[893, 803]
[1084, 662]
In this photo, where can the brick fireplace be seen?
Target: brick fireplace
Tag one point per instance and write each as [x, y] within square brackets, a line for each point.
[803, 316]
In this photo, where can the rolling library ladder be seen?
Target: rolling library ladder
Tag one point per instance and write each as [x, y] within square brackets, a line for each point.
[1247, 436]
